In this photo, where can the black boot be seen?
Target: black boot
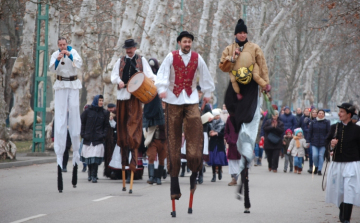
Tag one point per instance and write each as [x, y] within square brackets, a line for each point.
[347, 212]
[214, 174]
[89, 172]
[220, 172]
[94, 172]
[159, 174]
[151, 174]
[128, 176]
[84, 168]
[183, 165]
[316, 170]
[201, 176]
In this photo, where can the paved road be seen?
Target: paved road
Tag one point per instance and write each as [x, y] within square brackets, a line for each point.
[31, 191]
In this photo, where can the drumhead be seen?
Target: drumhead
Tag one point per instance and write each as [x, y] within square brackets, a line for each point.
[135, 82]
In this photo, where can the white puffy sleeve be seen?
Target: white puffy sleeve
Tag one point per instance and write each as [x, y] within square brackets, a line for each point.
[163, 75]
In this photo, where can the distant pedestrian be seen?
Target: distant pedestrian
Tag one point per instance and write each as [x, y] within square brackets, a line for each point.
[318, 131]
[217, 145]
[297, 150]
[298, 116]
[274, 129]
[304, 125]
[288, 157]
[233, 154]
[94, 126]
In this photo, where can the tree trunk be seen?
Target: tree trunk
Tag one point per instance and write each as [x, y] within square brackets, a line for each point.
[21, 115]
[175, 23]
[203, 26]
[3, 112]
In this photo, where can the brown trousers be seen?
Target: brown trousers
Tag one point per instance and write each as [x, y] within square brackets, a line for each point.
[129, 129]
[157, 146]
[175, 117]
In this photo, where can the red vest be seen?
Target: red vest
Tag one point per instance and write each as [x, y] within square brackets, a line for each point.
[184, 75]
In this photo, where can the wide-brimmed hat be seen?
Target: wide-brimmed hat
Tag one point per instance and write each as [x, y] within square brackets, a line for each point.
[185, 34]
[348, 107]
[129, 43]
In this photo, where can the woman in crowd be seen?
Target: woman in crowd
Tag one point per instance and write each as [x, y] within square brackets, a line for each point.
[274, 129]
[94, 126]
[217, 145]
[318, 130]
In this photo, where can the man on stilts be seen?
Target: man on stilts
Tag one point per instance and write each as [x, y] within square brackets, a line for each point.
[247, 68]
[128, 108]
[176, 85]
[64, 63]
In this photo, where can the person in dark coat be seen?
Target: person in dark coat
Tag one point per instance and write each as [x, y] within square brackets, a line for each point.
[274, 129]
[288, 119]
[298, 116]
[233, 154]
[94, 127]
[111, 139]
[217, 145]
[304, 125]
[318, 130]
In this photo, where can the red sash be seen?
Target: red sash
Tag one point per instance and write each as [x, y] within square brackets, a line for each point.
[184, 75]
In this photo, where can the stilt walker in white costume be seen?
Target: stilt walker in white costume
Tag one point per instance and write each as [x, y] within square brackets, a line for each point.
[64, 63]
[247, 68]
[343, 178]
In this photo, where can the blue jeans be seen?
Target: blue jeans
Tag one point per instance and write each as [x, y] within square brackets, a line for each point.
[318, 156]
[298, 161]
[310, 158]
[258, 151]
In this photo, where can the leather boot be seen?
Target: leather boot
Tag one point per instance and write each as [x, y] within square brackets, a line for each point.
[151, 169]
[128, 176]
[159, 174]
[93, 173]
[220, 172]
[89, 172]
[347, 212]
[295, 169]
[183, 165]
[233, 182]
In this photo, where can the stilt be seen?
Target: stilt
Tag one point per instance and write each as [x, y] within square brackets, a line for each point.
[173, 213]
[190, 203]
[131, 181]
[60, 179]
[74, 176]
[123, 178]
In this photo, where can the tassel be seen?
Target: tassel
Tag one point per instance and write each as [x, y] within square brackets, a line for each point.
[74, 175]
[60, 180]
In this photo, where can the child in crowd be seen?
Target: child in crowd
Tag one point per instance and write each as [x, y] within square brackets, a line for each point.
[297, 149]
[288, 157]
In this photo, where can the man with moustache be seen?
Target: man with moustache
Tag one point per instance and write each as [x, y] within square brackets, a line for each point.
[176, 85]
[343, 178]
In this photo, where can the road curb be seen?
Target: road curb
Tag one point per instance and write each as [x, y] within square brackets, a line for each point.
[27, 162]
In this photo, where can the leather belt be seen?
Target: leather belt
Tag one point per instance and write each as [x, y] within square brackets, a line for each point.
[71, 78]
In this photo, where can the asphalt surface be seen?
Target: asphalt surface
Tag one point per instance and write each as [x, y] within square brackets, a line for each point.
[29, 194]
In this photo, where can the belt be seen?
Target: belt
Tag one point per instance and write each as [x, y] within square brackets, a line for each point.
[71, 78]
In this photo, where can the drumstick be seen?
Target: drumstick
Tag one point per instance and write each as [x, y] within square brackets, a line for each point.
[123, 178]
[131, 182]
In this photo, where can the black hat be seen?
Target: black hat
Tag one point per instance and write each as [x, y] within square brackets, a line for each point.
[111, 105]
[348, 107]
[240, 27]
[185, 34]
[129, 43]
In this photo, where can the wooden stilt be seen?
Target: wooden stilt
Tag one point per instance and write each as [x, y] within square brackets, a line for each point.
[123, 178]
[131, 181]
[190, 203]
[173, 213]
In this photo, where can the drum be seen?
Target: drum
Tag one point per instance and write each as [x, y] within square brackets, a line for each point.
[142, 87]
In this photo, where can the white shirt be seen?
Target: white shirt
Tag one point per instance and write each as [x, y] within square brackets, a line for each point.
[358, 123]
[162, 82]
[66, 70]
[123, 94]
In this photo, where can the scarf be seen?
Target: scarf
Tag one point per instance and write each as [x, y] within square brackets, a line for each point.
[297, 141]
[240, 43]
[217, 125]
[318, 119]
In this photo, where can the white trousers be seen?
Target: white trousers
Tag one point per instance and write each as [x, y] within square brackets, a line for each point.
[67, 100]
[343, 183]
[247, 138]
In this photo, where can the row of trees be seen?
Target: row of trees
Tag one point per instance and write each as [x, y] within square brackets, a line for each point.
[311, 47]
